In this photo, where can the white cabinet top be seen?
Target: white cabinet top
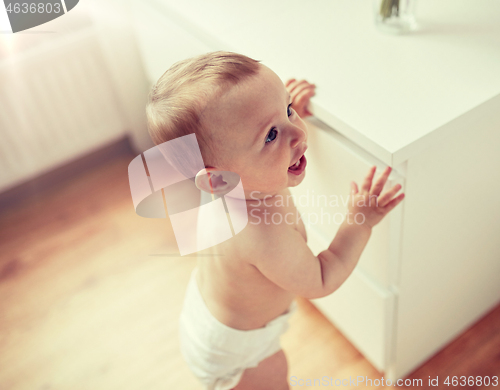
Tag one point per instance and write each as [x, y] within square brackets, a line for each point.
[391, 95]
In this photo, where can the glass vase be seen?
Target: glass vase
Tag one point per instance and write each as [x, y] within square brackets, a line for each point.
[395, 16]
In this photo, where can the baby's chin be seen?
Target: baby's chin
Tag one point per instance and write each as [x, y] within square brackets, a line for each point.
[277, 185]
[295, 180]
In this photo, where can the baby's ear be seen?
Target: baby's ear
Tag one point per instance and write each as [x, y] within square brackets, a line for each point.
[216, 182]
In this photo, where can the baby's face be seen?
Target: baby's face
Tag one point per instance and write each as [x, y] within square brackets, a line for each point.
[258, 134]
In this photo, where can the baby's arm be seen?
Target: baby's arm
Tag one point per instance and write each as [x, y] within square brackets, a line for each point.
[352, 237]
[284, 258]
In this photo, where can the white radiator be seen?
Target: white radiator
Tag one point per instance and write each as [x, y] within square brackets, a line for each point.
[57, 102]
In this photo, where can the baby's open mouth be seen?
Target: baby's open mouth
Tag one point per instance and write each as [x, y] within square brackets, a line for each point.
[299, 166]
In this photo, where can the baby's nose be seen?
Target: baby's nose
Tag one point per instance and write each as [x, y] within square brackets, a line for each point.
[299, 136]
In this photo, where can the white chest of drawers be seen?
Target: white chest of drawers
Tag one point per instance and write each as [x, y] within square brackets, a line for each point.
[426, 104]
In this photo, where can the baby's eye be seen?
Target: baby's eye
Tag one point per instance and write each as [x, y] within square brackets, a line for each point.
[289, 109]
[271, 136]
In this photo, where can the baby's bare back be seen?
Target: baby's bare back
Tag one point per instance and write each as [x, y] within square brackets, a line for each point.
[234, 290]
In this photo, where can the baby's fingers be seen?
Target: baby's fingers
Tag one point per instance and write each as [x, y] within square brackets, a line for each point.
[386, 196]
[296, 86]
[303, 98]
[354, 188]
[300, 90]
[367, 183]
[303, 90]
[393, 203]
[379, 184]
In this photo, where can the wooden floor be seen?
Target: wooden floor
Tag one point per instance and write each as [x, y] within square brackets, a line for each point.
[89, 299]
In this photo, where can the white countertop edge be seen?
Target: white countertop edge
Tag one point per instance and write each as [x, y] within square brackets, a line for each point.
[351, 134]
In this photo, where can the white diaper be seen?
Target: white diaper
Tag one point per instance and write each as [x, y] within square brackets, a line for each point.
[217, 354]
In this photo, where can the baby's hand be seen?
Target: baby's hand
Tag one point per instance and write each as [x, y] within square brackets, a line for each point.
[301, 91]
[373, 204]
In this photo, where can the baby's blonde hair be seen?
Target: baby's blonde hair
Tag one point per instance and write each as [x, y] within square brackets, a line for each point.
[178, 98]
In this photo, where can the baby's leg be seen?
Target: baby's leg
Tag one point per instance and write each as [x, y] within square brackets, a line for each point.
[270, 374]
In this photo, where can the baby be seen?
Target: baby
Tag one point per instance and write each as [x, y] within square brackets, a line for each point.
[242, 291]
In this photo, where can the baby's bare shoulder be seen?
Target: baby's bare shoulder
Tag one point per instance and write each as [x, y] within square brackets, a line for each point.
[264, 239]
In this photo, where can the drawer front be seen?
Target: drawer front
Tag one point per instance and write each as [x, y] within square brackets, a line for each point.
[332, 163]
[363, 313]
